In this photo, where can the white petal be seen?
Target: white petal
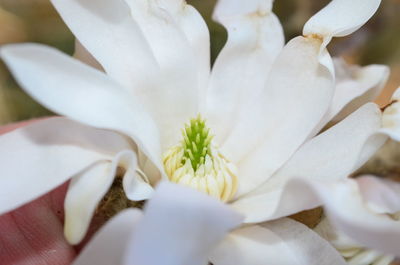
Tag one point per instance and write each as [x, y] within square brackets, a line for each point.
[84, 193]
[135, 186]
[346, 209]
[71, 88]
[274, 124]
[340, 18]
[282, 242]
[381, 195]
[355, 86]
[107, 31]
[181, 226]
[255, 38]
[334, 154]
[37, 158]
[147, 46]
[175, 98]
[109, 244]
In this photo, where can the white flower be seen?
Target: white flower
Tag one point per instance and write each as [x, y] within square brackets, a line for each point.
[264, 103]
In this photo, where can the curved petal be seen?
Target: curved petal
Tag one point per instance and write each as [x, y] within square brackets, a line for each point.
[41, 156]
[180, 226]
[332, 155]
[109, 244]
[71, 88]
[282, 242]
[381, 195]
[85, 191]
[340, 18]
[355, 86]
[107, 31]
[274, 124]
[135, 186]
[255, 38]
[347, 211]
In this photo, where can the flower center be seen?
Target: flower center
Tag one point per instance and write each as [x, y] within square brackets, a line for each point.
[196, 162]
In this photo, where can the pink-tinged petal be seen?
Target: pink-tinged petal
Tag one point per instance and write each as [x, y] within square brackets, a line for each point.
[381, 195]
[85, 94]
[255, 38]
[332, 155]
[340, 18]
[355, 86]
[275, 123]
[181, 226]
[109, 245]
[282, 242]
[41, 156]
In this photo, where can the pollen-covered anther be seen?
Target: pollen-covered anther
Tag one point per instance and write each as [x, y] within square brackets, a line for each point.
[197, 163]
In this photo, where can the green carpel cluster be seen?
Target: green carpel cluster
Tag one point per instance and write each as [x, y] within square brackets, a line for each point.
[196, 142]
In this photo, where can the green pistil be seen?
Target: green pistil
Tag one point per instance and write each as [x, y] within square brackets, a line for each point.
[196, 142]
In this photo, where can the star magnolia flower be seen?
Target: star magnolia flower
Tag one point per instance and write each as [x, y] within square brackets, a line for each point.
[263, 102]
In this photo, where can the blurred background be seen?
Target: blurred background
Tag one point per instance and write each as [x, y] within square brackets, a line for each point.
[37, 21]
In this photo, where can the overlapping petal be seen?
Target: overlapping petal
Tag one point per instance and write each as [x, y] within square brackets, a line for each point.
[255, 38]
[355, 86]
[183, 225]
[39, 157]
[109, 245]
[73, 89]
[283, 242]
[391, 117]
[180, 226]
[275, 123]
[332, 155]
[146, 46]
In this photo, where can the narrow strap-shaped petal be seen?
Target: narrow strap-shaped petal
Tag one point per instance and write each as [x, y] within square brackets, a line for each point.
[282, 242]
[181, 226]
[39, 157]
[84, 193]
[255, 38]
[332, 155]
[73, 89]
[354, 87]
[109, 244]
[340, 18]
[275, 123]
